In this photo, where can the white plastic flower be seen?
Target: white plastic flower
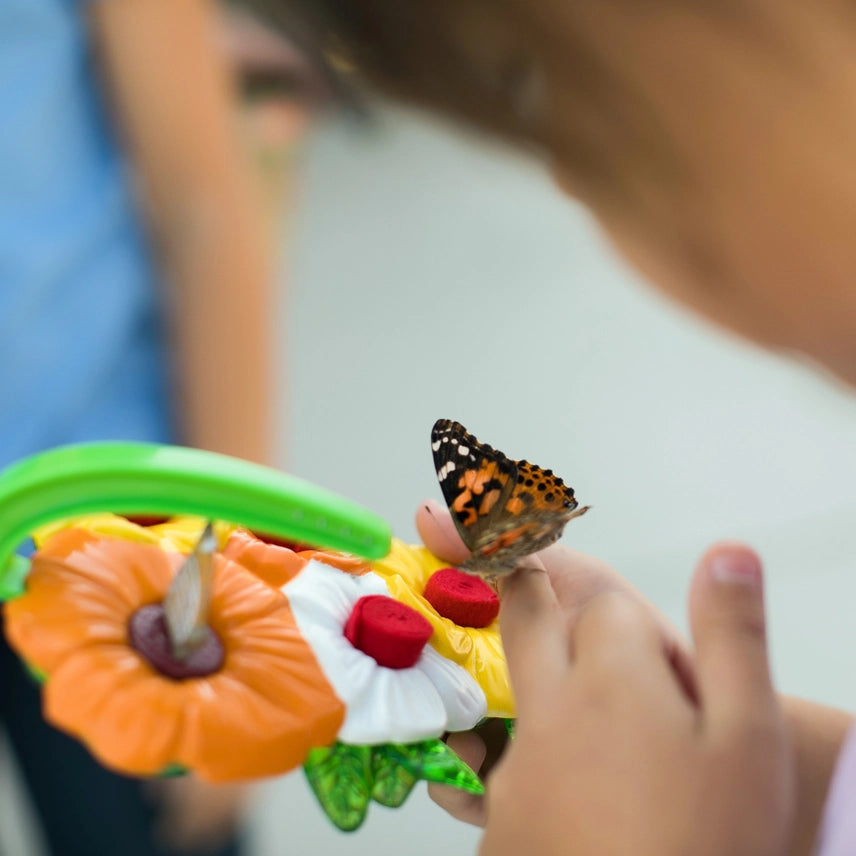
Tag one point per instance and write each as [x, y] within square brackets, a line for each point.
[384, 705]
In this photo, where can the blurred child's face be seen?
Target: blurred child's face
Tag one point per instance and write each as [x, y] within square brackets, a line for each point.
[761, 235]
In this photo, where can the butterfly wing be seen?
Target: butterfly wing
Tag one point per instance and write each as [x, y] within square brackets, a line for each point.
[477, 480]
[533, 517]
[541, 493]
[503, 509]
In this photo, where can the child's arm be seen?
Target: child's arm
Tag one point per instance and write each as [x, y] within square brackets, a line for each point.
[817, 732]
[173, 100]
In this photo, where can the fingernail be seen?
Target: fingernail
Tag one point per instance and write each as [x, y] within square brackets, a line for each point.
[739, 566]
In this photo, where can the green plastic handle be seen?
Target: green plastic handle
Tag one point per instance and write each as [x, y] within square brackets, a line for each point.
[148, 479]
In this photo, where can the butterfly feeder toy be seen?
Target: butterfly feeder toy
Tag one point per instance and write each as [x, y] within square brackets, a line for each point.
[187, 611]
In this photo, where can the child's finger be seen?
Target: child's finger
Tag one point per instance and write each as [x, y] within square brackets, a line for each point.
[438, 533]
[530, 615]
[533, 635]
[728, 627]
[615, 632]
[618, 649]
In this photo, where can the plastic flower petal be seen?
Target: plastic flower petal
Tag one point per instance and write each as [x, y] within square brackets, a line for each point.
[384, 705]
[406, 572]
[277, 563]
[259, 714]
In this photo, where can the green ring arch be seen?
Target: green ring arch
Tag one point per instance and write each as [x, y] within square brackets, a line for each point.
[146, 478]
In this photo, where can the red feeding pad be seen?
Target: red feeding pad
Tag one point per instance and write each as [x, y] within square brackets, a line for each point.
[387, 630]
[462, 598]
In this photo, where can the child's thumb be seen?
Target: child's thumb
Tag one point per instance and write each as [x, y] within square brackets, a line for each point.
[729, 631]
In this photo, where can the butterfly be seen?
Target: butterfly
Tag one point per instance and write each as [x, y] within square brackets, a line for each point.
[503, 509]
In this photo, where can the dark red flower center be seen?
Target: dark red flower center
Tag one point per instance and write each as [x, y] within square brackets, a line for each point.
[462, 598]
[391, 632]
[150, 638]
[147, 519]
[276, 541]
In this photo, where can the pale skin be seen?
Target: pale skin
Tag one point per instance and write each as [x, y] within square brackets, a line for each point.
[174, 101]
[716, 773]
[811, 734]
[755, 233]
[616, 752]
[171, 87]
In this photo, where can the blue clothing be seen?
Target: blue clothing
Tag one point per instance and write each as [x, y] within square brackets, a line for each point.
[81, 358]
[81, 350]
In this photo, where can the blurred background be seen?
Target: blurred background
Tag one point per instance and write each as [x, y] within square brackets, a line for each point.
[427, 278]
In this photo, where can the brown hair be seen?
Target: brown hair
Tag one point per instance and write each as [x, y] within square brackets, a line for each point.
[485, 63]
[595, 84]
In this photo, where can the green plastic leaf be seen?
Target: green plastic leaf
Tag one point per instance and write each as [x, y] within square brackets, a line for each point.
[340, 777]
[173, 771]
[434, 761]
[346, 778]
[36, 674]
[12, 577]
[509, 727]
[392, 781]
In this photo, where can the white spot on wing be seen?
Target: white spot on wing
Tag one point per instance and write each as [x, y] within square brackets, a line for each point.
[435, 445]
[462, 450]
[444, 471]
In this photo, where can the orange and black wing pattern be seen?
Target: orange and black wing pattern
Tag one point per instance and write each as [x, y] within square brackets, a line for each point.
[503, 509]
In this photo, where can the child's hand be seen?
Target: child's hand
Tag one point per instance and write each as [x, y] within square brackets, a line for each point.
[613, 756]
[576, 579]
[621, 744]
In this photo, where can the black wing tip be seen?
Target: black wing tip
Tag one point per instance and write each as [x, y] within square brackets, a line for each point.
[444, 426]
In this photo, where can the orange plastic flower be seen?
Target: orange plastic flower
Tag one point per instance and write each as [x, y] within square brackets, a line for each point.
[406, 570]
[276, 564]
[258, 715]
